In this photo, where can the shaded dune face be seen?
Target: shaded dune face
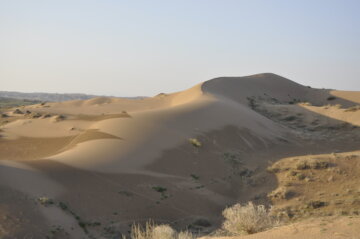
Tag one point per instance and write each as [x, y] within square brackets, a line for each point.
[119, 161]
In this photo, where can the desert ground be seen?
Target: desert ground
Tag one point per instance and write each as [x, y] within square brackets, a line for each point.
[91, 168]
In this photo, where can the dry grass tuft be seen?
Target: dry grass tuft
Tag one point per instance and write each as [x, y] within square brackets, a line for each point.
[312, 163]
[281, 193]
[247, 219]
[153, 231]
[195, 142]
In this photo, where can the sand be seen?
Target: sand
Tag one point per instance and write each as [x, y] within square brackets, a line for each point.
[320, 228]
[104, 156]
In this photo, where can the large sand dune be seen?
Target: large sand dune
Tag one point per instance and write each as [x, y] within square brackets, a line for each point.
[109, 155]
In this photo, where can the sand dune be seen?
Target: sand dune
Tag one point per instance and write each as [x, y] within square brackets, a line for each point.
[110, 153]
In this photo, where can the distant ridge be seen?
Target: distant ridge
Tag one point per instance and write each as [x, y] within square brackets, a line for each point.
[52, 97]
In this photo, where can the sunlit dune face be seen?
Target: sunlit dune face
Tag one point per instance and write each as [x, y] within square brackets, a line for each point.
[349, 115]
[353, 96]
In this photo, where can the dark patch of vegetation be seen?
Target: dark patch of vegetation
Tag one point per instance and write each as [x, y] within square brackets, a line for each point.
[331, 98]
[126, 193]
[47, 116]
[202, 222]
[63, 206]
[232, 158]
[246, 172]
[80, 222]
[200, 186]
[35, 115]
[290, 118]
[316, 204]
[56, 232]
[251, 102]
[19, 112]
[161, 190]
[294, 101]
[9, 102]
[60, 117]
[195, 177]
[94, 224]
[312, 164]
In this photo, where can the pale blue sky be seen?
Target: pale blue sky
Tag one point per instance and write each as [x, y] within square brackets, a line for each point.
[128, 48]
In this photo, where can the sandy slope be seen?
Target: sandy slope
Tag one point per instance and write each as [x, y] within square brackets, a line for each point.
[109, 154]
[319, 228]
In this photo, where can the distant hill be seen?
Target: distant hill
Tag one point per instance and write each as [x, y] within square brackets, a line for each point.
[51, 97]
[54, 97]
[11, 102]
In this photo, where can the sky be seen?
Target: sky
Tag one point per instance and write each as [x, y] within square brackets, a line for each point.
[144, 47]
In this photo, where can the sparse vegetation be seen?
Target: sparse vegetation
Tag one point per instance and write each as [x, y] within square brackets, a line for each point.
[161, 190]
[126, 193]
[247, 219]
[316, 204]
[290, 118]
[45, 201]
[305, 104]
[195, 142]
[35, 115]
[18, 112]
[251, 102]
[232, 158]
[312, 164]
[281, 193]
[60, 118]
[353, 108]
[194, 176]
[153, 231]
[47, 116]
[9, 102]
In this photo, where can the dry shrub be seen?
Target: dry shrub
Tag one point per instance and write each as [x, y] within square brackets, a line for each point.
[312, 163]
[247, 219]
[195, 142]
[153, 231]
[281, 193]
[305, 104]
[353, 108]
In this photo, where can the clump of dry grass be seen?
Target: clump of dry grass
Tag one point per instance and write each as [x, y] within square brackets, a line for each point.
[312, 163]
[59, 118]
[305, 104]
[45, 201]
[195, 142]
[281, 193]
[153, 231]
[247, 219]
